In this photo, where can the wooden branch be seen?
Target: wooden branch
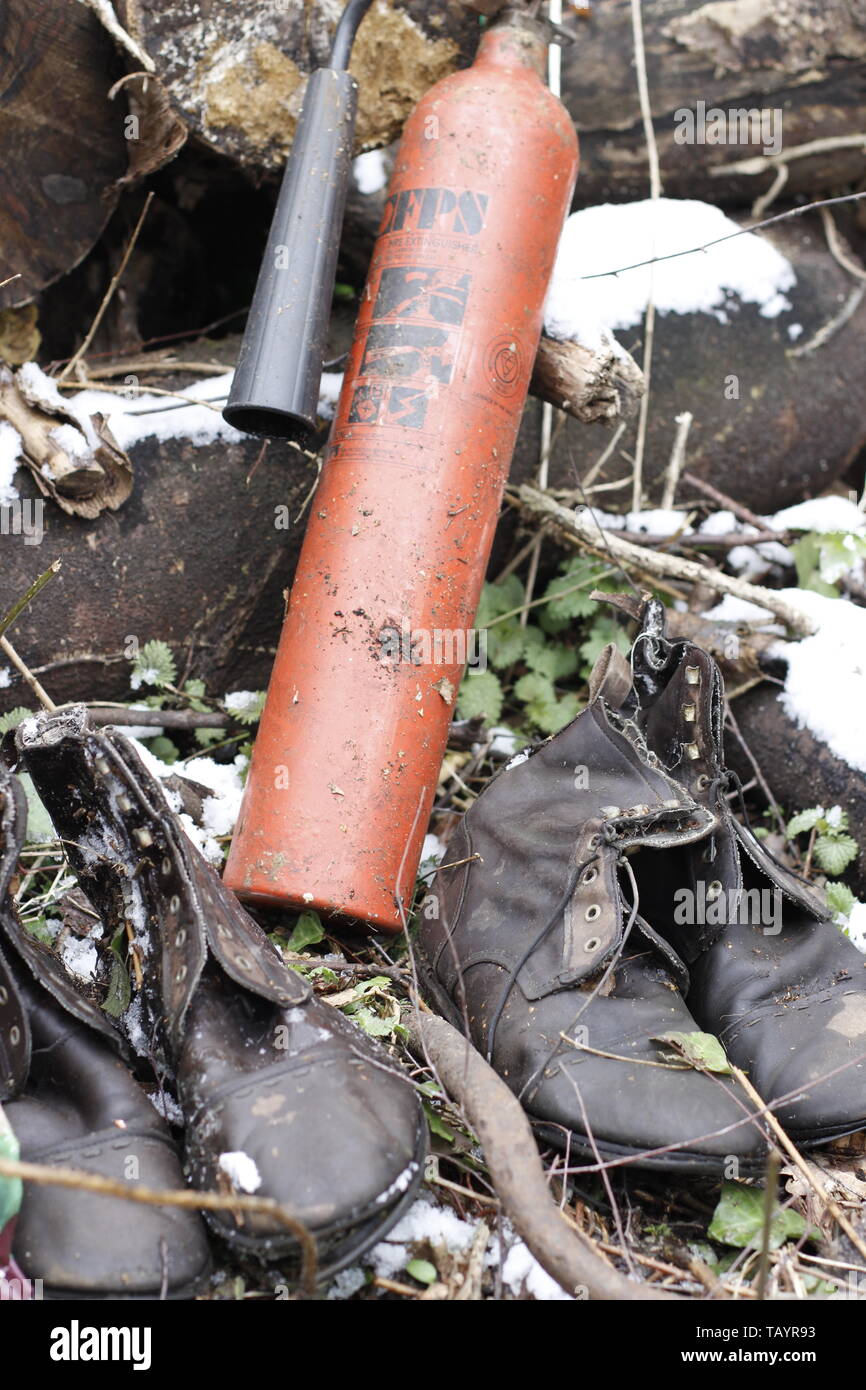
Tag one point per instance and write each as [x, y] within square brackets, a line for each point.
[585, 529]
[589, 384]
[512, 1156]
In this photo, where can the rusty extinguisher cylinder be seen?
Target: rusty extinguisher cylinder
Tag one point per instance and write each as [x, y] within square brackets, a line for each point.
[381, 612]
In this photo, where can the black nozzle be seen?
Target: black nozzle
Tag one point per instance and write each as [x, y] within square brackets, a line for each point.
[275, 391]
[276, 384]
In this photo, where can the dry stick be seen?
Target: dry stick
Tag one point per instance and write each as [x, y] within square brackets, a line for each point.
[661, 563]
[604, 456]
[678, 458]
[191, 1200]
[655, 194]
[512, 1156]
[104, 11]
[151, 391]
[837, 247]
[109, 293]
[793, 1153]
[9, 651]
[767, 1224]
[831, 328]
[725, 501]
[12, 613]
[759, 163]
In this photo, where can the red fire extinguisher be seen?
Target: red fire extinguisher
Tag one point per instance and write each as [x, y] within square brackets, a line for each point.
[379, 622]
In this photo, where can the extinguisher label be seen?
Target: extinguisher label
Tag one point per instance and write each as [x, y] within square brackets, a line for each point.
[411, 344]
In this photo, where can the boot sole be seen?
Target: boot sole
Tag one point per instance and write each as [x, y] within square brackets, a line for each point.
[678, 1161]
[372, 1224]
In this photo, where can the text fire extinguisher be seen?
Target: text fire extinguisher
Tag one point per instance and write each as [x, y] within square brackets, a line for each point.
[379, 621]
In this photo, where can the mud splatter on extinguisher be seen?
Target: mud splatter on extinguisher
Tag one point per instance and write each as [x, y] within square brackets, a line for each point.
[380, 617]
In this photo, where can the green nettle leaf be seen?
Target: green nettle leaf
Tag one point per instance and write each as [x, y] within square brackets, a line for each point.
[807, 558]
[437, 1125]
[543, 707]
[205, 737]
[840, 899]
[839, 552]
[553, 659]
[14, 717]
[248, 714]
[566, 606]
[505, 643]
[164, 749]
[308, 931]
[119, 994]
[154, 665]
[481, 694]
[423, 1271]
[701, 1050]
[11, 1189]
[739, 1219]
[804, 820]
[39, 824]
[603, 631]
[497, 599]
[833, 853]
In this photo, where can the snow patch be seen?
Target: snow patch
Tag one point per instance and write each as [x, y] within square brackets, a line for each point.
[748, 270]
[11, 447]
[81, 957]
[241, 1170]
[825, 686]
[370, 171]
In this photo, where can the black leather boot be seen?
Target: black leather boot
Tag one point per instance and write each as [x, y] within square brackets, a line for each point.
[771, 973]
[281, 1095]
[532, 944]
[76, 1105]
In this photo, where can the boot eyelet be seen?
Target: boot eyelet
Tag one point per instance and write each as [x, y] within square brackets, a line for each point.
[180, 936]
[689, 713]
[592, 944]
[15, 1035]
[180, 975]
[703, 782]
[174, 903]
[165, 866]
[590, 876]
[101, 765]
[124, 804]
[244, 962]
[714, 889]
[693, 675]
[4, 995]
[594, 841]
[142, 837]
[593, 912]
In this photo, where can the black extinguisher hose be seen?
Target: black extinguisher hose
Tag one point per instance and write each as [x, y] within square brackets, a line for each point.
[347, 28]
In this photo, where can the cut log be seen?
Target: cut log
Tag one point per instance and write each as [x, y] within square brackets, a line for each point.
[237, 74]
[770, 428]
[198, 556]
[62, 140]
[802, 59]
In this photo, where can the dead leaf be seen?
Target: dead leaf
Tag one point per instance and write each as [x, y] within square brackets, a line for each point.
[156, 132]
[80, 466]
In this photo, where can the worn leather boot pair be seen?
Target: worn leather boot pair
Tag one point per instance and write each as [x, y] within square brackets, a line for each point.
[281, 1096]
[74, 1104]
[552, 936]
